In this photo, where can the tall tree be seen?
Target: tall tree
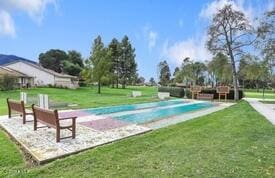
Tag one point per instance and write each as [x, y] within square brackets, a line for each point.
[152, 81]
[115, 50]
[141, 80]
[192, 71]
[75, 57]
[229, 33]
[53, 59]
[220, 67]
[128, 65]
[254, 69]
[266, 40]
[177, 69]
[74, 63]
[164, 71]
[99, 63]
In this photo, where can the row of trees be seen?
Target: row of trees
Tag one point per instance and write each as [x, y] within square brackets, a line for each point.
[113, 64]
[229, 37]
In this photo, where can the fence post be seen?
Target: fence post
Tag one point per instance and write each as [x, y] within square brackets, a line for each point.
[40, 101]
[43, 101]
[23, 97]
[46, 101]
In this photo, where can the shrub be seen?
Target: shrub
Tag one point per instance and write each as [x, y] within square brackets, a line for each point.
[7, 82]
[174, 91]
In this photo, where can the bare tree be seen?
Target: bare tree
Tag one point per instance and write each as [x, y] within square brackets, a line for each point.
[266, 40]
[229, 33]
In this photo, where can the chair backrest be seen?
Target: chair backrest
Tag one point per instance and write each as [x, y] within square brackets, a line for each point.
[223, 89]
[47, 117]
[17, 106]
[195, 89]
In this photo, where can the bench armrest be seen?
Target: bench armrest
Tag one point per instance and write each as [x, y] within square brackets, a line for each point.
[65, 118]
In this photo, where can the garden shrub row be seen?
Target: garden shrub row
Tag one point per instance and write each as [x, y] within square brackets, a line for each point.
[174, 91]
[181, 92]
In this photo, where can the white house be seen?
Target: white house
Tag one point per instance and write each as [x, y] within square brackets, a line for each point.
[22, 80]
[42, 76]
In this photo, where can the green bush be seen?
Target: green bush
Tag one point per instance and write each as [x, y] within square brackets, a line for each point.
[7, 82]
[174, 91]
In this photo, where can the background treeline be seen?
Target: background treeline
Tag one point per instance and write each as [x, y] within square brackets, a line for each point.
[244, 55]
[113, 64]
[253, 73]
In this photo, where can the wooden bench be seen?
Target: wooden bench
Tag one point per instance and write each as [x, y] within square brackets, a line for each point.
[18, 107]
[50, 119]
[195, 90]
[223, 91]
[205, 96]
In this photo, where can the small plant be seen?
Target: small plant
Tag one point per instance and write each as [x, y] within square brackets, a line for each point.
[7, 82]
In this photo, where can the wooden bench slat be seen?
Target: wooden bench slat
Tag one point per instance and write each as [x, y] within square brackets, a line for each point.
[51, 119]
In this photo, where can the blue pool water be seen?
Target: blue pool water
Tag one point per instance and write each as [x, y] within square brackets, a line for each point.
[132, 107]
[159, 113]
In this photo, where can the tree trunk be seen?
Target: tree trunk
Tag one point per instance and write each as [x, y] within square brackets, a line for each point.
[123, 84]
[116, 83]
[99, 87]
[113, 84]
[257, 86]
[235, 77]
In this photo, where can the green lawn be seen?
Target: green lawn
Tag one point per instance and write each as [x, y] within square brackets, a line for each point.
[254, 94]
[268, 102]
[85, 97]
[235, 142]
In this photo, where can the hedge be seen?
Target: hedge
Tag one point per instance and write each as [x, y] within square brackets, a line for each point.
[174, 91]
[216, 95]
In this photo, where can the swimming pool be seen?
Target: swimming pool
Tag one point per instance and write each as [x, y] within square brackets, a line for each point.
[160, 113]
[132, 107]
[143, 113]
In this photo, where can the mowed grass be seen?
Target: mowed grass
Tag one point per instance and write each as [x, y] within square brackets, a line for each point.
[84, 97]
[252, 93]
[235, 142]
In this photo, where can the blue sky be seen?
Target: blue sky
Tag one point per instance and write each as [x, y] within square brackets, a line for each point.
[158, 29]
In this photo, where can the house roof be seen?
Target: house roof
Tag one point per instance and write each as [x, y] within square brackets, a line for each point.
[11, 72]
[35, 65]
[5, 59]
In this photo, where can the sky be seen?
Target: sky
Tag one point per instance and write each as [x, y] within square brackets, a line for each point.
[158, 29]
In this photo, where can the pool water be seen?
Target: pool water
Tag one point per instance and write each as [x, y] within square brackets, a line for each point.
[132, 107]
[160, 113]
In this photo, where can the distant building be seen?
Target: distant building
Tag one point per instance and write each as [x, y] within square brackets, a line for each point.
[22, 80]
[38, 75]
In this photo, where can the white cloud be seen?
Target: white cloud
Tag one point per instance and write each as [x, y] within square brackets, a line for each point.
[212, 8]
[270, 5]
[192, 47]
[152, 39]
[150, 36]
[34, 8]
[6, 24]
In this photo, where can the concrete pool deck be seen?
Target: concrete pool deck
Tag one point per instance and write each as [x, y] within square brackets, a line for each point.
[91, 131]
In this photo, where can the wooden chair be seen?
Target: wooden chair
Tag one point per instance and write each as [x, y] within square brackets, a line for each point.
[195, 90]
[50, 119]
[223, 91]
[18, 107]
